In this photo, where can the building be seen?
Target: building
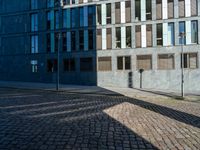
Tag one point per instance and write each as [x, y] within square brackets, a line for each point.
[102, 43]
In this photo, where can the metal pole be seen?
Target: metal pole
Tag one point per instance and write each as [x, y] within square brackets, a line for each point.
[182, 66]
[141, 80]
[59, 48]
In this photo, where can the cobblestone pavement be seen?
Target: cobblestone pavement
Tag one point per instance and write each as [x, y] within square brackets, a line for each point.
[44, 120]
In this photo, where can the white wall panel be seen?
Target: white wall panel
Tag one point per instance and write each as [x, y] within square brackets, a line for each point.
[104, 46]
[85, 1]
[123, 15]
[164, 9]
[103, 14]
[165, 34]
[143, 36]
[123, 37]
[187, 8]
[188, 31]
[143, 10]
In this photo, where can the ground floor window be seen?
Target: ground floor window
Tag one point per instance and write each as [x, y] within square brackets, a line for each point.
[144, 62]
[104, 64]
[34, 66]
[52, 65]
[165, 61]
[69, 64]
[124, 63]
[189, 60]
[86, 64]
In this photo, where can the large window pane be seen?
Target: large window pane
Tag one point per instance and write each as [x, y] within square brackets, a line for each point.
[159, 34]
[118, 37]
[181, 8]
[182, 30]
[170, 33]
[117, 13]
[158, 9]
[194, 31]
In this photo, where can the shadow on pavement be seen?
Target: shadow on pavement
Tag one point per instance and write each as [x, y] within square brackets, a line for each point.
[73, 121]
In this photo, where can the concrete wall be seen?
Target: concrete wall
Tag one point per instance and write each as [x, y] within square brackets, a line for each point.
[157, 79]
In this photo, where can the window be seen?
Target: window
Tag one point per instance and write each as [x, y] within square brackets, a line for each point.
[144, 62]
[34, 22]
[64, 18]
[118, 37]
[81, 40]
[104, 64]
[69, 64]
[34, 66]
[66, 2]
[149, 35]
[182, 30]
[99, 39]
[64, 43]
[171, 33]
[81, 17]
[165, 61]
[119, 63]
[124, 63]
[80, 1]
[108, 13]
[189, 60]
[73, 17]
[194, 7]
[91, 13]
[48, 42]
[52, 65]
[109, 38]
[137, 10]
[86, 64]
[73, 40]
[194, 31]
[50, 3]
[57, 3]
[181, 8]
[49, 20]
[34, 4]
[138, 36]
[128, 37]
[158, 9]
[128, 11]
[148, 9]
[117, 13]
[56, 38]
[34, 44]
[98, 14]
[170, 8]
[57, 19]
[90, 39]
[159, 34]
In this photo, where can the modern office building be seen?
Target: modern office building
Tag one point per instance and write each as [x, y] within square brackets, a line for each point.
[101, 42]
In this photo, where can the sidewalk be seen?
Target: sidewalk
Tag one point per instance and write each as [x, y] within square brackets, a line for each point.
[112, 91]
[63, 87]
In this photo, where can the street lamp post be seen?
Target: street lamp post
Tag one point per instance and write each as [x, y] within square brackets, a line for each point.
[182, 36]
[59, 45]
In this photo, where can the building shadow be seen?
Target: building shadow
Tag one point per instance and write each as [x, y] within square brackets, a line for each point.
[73, 121]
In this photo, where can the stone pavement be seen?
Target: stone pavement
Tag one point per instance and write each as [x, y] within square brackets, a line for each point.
[40, 119]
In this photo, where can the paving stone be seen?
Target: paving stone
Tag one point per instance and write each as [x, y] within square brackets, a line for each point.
[57, 121]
